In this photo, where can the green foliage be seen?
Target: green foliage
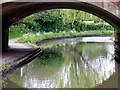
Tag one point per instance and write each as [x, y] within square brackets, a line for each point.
[32, 37]
[49, 20]
[3, 82]
[16, 31]
[98, 27]
[56, 21]
[5, 64]
[81, 26]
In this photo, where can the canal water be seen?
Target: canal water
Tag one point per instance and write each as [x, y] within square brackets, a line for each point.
[69, 63]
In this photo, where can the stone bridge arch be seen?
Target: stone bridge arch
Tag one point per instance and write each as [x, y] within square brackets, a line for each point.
[15, 11]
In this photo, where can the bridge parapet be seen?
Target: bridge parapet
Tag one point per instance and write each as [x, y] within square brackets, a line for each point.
[112, 6]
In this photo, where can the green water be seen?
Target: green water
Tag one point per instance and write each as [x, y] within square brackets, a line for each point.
[67, 64]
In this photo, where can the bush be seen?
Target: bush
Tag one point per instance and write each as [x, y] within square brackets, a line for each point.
[49, 20]
[98, 27]
[80, 26]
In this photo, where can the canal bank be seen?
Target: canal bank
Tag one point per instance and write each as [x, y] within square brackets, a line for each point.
[17, 55]
[44, 40]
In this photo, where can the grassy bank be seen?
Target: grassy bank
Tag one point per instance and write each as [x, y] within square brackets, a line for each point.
[33, 37]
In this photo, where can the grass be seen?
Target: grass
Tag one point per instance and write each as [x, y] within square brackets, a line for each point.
[14, 33]
[32, 38]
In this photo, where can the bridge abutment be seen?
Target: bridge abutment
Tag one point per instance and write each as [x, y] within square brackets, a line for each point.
[117, 45]
[5, 34]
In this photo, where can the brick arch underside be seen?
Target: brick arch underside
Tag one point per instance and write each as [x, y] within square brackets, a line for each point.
[15, 11]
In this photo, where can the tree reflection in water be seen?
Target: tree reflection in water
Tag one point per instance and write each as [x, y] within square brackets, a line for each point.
[68, 65]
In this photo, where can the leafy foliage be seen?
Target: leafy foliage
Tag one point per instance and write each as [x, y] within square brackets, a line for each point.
[57, 20]
[5, 64]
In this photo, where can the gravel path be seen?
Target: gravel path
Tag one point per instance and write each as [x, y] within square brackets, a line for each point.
[12, 44]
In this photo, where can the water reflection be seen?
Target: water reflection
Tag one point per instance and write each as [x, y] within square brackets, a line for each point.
[68, 65]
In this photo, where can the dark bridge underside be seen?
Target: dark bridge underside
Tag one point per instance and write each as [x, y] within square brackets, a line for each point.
[15, 11]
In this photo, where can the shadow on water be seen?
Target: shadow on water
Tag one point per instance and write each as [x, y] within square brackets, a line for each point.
[67, 64]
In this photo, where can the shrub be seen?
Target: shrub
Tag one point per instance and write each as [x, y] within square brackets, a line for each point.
[80, 26]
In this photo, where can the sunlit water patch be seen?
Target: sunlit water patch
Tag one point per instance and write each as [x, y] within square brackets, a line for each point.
[67, 64]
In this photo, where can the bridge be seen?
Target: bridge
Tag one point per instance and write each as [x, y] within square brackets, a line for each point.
[15, 10]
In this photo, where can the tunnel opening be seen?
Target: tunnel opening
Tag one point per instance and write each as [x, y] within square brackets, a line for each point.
[69, 58]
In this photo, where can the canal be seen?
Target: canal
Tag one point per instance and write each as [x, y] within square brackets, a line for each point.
[67, 63]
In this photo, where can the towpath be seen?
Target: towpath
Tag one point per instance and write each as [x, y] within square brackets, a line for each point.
[16, 51]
